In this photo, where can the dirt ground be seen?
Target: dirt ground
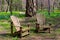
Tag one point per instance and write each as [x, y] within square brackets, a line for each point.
[38, 38]
[4, 35]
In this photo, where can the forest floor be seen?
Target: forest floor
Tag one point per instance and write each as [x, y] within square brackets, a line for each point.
[5, 34]
[5, 29]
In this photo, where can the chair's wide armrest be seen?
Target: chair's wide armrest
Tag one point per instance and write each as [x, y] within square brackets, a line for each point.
[26, 29]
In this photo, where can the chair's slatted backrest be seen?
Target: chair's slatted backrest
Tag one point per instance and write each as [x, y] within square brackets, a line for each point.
[16, 22]
[40, 19]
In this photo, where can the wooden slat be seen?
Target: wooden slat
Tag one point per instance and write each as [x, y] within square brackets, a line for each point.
[16, 22]
[46, 26]
[25, 29]
[40, 19]
[25, 33]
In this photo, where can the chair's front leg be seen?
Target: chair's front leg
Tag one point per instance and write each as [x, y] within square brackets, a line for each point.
[11, 28]
[20, 32]
[49, 30]
[28, 27]
[37, 27]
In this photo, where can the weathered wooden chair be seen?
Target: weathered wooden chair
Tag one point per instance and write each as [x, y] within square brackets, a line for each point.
[19, 29]
[40, 25]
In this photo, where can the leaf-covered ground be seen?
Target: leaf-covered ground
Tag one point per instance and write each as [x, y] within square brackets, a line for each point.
[5, 30]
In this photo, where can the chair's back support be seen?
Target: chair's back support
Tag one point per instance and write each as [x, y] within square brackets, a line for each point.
[16, 22]
[40, 19]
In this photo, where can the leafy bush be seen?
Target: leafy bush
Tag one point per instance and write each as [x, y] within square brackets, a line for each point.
[6, 15]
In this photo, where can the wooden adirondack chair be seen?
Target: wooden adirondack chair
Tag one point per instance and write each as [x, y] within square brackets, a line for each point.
[40, 25]
[19, 29]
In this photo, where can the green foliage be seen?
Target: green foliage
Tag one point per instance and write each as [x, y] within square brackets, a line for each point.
[4, 15]
[15, 38]
[5, 25]
[55, 14]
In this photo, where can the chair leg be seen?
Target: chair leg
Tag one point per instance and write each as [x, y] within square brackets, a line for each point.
[37, 27]
[29, 28]
[20, 32]
[49, 30]
[11, 28]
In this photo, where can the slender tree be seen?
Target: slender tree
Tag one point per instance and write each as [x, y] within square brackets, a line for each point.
[42, 5]
[0, 5]
[53, 5]
[37, 4]
[10, 15]
[34, 7]
[11, 7]
[8, 5]
[49, 7]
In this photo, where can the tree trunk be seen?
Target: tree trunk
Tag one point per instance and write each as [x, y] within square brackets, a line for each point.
[53, 5]
[8, 5]
[10, 15]
[37, 5]
[0, 5]
[30, 8]
[34, 7]
[42, 5]
[49, 7]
